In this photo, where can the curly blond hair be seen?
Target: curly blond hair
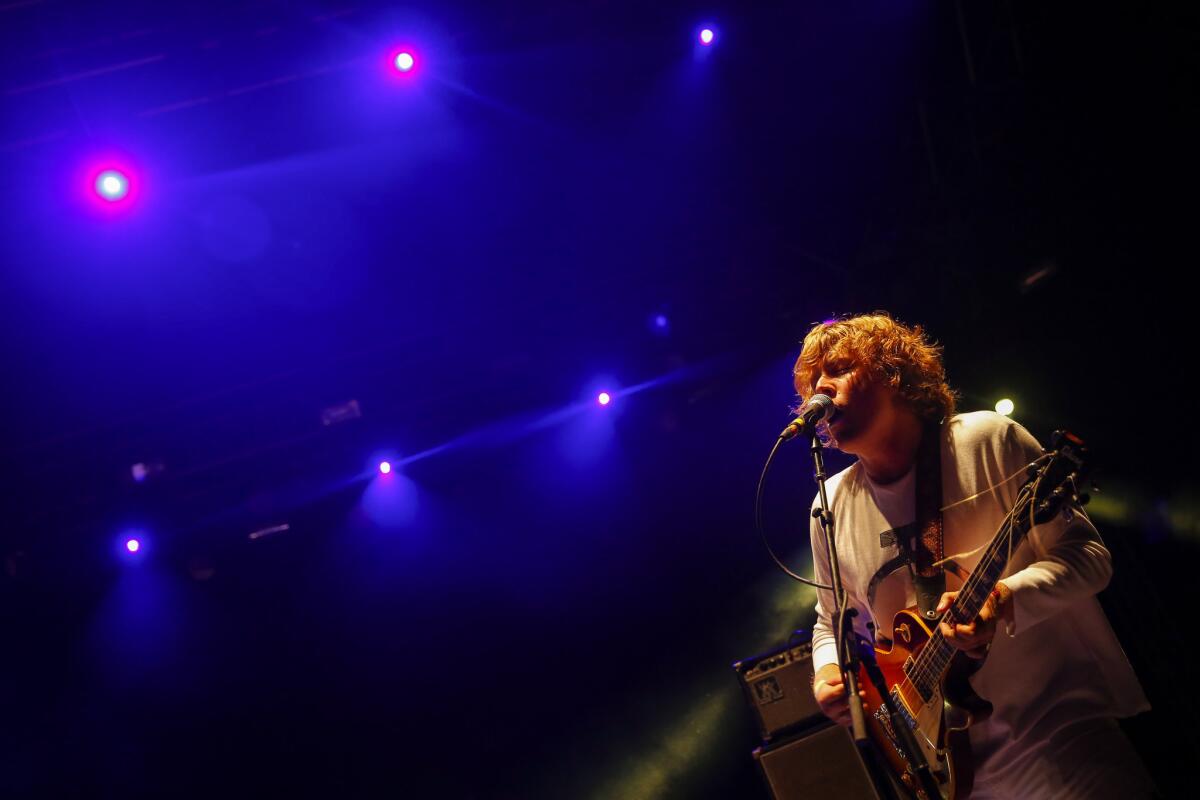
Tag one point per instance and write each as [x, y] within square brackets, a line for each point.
[890, 351]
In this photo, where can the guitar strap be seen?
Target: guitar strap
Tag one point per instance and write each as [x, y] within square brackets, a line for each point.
[922, 544]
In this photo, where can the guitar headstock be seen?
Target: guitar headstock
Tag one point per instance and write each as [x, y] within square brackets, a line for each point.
[1058, 479]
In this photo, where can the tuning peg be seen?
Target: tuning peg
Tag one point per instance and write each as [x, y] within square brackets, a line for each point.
[1095, 488]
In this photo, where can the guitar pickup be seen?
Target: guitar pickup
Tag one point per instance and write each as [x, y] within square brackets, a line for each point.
[925, 691]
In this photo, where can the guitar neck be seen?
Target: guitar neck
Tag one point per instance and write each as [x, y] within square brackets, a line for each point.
[930, 666]
[975, 591]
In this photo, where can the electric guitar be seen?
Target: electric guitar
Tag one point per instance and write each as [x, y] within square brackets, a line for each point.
[925, 675]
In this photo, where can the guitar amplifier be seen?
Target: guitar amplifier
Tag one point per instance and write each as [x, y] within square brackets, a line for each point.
[819, 763]
[778, 687]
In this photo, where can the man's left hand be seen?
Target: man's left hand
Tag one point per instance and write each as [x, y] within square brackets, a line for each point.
[975, 637]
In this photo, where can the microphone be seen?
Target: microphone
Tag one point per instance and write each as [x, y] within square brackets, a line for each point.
[817, 409]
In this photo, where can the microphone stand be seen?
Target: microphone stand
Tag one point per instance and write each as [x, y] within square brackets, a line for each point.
[851, 656]
[843, 616]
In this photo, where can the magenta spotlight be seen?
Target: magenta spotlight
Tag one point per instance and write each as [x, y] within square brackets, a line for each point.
[403, 61]
[133, 544]
[707, 36]
[108, 185]
[385, 467]
[112, 185]
[604, 398]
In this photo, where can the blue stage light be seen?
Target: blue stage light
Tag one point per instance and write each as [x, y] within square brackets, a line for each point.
[131, 545]
[707, 36]
[385, 467]
[404, 62]
[604, 398]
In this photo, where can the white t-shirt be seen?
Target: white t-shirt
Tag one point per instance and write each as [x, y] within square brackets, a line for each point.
[1062, 664]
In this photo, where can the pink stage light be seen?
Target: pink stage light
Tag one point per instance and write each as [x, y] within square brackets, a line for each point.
[112, 185]
[385, 467]
[108, 185]
[403, 62]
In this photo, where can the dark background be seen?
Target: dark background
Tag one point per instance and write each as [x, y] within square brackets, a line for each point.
[545, 600]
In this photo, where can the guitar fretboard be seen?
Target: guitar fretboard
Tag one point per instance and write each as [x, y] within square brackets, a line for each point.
[930, 665]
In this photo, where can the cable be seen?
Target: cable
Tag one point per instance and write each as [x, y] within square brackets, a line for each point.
[758, 523]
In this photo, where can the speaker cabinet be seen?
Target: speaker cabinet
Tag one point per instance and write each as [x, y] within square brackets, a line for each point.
[820, 763]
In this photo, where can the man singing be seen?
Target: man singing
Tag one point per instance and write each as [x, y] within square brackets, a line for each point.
[1050, 663]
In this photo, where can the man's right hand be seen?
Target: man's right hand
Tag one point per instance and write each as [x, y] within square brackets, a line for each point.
[831, 694]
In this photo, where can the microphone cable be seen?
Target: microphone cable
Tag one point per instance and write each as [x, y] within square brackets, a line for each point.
[762, 532]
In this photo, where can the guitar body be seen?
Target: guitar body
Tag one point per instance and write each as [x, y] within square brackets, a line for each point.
[940, 725]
